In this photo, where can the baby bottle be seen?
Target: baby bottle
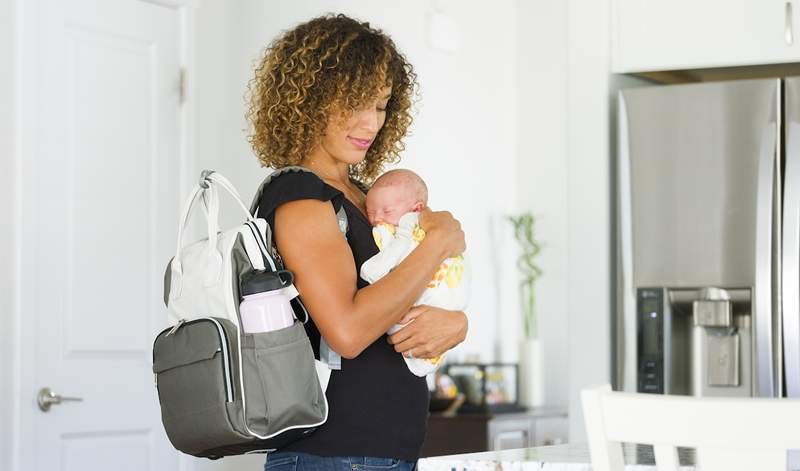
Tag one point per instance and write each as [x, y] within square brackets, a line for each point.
[265, 306]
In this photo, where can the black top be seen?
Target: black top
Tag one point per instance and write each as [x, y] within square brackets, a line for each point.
[377, 407]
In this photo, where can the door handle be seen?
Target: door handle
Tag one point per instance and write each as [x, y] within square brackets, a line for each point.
[47, 398]
[788, 30]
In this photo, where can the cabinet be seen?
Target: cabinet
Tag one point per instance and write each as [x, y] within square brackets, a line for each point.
[650, 35]
[471, 433]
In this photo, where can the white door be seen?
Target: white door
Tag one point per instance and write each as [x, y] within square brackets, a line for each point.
[100, 207]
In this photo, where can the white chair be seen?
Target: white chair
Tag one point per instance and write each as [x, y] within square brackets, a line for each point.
[728, 434]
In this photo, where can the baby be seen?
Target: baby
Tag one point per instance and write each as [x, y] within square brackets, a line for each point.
[393, 206]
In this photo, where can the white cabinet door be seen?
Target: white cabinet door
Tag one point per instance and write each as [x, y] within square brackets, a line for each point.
[684, 34]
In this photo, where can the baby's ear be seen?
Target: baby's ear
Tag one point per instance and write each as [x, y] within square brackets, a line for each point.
[418, 206]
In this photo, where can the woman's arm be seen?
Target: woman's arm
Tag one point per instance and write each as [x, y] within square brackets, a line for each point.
[317, 253]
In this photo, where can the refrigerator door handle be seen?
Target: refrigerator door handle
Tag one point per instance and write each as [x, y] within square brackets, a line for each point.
[791, 269]
[626, 315]
[791, 252]
[762, 302]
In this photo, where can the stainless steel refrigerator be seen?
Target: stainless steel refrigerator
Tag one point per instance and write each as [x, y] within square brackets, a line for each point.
[709, 239]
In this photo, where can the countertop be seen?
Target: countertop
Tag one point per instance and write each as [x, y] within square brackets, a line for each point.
[556, 458]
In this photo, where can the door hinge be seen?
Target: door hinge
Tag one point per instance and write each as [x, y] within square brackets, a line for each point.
[182, 85]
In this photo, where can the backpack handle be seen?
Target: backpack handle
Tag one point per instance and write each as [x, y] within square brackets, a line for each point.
[206, 190]
[210, 177]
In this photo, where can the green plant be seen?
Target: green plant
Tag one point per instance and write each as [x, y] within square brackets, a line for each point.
[524, 233]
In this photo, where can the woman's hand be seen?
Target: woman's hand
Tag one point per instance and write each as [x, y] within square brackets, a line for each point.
[442, 228]
[432, 332]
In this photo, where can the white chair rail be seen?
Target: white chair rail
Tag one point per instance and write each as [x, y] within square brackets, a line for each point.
[728, 434]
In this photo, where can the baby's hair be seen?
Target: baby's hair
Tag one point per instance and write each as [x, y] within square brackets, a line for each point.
[406, 177]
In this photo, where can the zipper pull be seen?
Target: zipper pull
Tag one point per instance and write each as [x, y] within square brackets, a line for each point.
[176, 327]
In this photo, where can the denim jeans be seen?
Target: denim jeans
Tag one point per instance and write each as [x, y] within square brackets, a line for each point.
[296, 461]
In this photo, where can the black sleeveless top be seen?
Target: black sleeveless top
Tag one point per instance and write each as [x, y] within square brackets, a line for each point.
[377, 407]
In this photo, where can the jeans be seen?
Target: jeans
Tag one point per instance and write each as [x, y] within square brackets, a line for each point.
[296, 461]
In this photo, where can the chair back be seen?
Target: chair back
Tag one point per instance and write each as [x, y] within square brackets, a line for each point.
[728, 434]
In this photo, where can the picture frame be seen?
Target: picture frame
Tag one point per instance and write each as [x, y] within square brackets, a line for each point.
[487, 387]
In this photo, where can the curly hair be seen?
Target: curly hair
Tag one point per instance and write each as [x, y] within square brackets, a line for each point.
[328, 67]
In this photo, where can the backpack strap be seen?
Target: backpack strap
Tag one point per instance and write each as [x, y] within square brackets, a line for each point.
[326, 354]
[270, 177]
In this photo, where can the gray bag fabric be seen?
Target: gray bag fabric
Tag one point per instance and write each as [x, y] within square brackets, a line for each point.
[223, 391]
[201, 403]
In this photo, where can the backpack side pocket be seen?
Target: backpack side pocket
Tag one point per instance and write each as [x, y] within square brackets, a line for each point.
[282, 388]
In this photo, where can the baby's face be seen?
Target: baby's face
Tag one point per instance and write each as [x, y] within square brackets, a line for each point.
[389, 203]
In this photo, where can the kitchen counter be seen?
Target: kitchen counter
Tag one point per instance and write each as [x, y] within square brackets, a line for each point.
[555, 458]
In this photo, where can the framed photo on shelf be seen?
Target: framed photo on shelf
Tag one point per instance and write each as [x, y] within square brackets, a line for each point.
[488, 387]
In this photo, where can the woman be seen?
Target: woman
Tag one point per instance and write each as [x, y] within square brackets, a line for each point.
[334, 95]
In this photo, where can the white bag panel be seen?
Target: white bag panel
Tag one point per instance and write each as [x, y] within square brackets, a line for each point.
[201, 274]
[191, 295]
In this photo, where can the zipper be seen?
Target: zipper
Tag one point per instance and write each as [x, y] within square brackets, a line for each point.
[223, 340]
[176, 327]
[267, 253]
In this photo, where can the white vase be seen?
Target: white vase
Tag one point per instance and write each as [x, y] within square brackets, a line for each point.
[531, 373]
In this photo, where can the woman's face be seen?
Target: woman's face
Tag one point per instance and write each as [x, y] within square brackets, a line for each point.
[349, 141]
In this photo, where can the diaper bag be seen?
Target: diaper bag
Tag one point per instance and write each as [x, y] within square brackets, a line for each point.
[223, 391]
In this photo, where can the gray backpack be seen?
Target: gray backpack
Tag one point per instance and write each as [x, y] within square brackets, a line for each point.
[223, 391]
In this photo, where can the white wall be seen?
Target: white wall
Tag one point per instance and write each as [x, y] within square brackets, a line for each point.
[465, 120]
[219, 86]
[463, 140]
[519, 110]
[493, 113]
[589, 264]
[542, 171]
[591, 200]
[565, 177]
[8, 233]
